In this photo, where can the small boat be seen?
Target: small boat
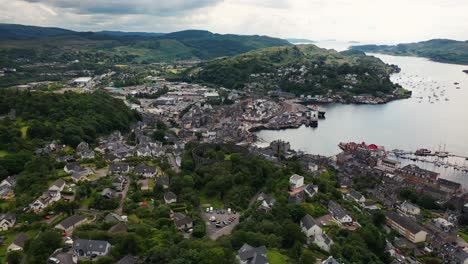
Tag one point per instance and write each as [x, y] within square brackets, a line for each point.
[458, 87]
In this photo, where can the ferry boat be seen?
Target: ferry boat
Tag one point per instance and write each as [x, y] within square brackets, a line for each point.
[422, 152]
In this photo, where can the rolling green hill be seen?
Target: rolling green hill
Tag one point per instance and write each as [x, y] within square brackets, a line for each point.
[303, 69]
[39, 44]
[441, 50]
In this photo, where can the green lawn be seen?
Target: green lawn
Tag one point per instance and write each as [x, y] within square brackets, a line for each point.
[275, 257]
[463, 235]
[213, 201]
[3, 153]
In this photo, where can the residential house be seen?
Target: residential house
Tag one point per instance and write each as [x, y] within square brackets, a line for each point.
[81, 175]
[296, 181]
[71, 223]
[115, 218]
[144, 170]
[87, 154]
[119, 183]
[88, 248]
[170, 197]
[182, 221]
[296, 198]
[163, 181]
[267, 202]
[406, 227]
[72, 167]
[82, 147]
[356, 196]
[409, 208]
[323, 241]
[6, 192]
[7, 221]
[109, 157]
[250, 255]
[10, 181]
[119, 168]
[338, 213]
[51, 196]
[118, 228]
[310, 227]
[109, 193]
[67, 158]
[18, 243]
[58, 185]
[311, 190]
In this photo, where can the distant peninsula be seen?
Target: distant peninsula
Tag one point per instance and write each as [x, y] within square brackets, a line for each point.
[300, 41]
[440, 50]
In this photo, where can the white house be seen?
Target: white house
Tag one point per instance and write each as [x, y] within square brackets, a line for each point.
[409, 208]
[58, 185]
[296, 181]
[339, 214]
[356, 196]
[7, 221]
[324, 242]
[309, 227]
[170, 197]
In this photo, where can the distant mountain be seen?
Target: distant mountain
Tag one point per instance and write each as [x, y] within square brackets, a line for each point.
[300, 41]
[122, 33]
[20, 32]
[301, 69]
[55, 44]
[441, 50]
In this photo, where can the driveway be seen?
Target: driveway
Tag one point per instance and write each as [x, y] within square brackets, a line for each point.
[124, 195]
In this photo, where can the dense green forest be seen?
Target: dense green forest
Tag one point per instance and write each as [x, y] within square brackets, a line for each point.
[303, 69]
[29, 119]
[442, 50]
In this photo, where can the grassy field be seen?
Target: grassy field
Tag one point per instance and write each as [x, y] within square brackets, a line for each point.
[275, 257]
[3, 153]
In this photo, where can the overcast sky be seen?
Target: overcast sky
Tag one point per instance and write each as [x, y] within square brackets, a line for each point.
[361, 20]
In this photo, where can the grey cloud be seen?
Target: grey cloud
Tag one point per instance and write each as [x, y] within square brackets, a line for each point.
[124, 7]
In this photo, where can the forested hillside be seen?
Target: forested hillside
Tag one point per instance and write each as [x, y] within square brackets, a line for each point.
[442, 50]
[304, 69]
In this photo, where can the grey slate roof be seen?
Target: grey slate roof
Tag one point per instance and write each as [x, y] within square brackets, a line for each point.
[118, 167]
[90, 245]
[71, 221]
[253, 255]
[20, 239]
[355, 195]
[308, 221]
[336, 210]
[169, 196]
[405, 222]
[143, 169]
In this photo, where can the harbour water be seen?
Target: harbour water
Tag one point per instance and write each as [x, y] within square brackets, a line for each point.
[435, 117]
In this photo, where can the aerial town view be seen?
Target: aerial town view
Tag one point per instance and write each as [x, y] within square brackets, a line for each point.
[131, 133]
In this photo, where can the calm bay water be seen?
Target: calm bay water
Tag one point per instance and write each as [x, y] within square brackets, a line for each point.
[436, 116]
